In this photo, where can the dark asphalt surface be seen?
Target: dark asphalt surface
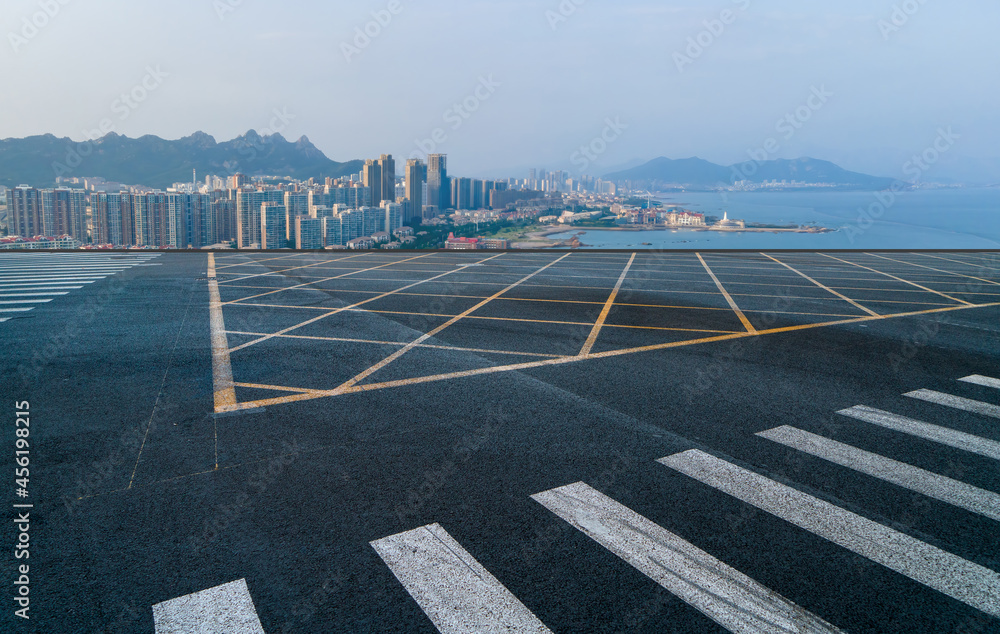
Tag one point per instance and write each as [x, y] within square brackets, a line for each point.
[130, 510]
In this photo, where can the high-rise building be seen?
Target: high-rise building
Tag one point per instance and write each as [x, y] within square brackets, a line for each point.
[392, 217]
[387, 167]
[114, 219]
[438, 186]
[273, 232]
[237, 181]
[372, 179]
[248, 206]
[461, 193]
[64, 212]
[24, 209]
[416, 180]
[309, 233]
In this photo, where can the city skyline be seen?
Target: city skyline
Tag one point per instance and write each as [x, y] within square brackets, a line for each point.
[533, 83]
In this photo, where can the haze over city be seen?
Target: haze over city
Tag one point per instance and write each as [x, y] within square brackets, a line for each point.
[534, 80]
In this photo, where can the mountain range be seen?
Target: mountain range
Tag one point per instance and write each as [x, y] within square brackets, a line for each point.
[155, 162]
[696, 173]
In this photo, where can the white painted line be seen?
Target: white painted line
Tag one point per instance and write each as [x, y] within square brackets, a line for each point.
[8, 302]
[61, 278]
[451, 587]
[10, 295]
[982, 380]
[927, 431]
[949, 574]
[35, 285]
[226, 609]
[4, 288]
[957, 402]
[953, 492]
[725, 595]
[15, 310]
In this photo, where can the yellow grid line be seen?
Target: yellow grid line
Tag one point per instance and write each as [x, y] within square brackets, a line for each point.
[825, 288]
[328, 279]
[403, 343]
[899, 279]
[968, 277]
[382, 364]
[970, 264]
[340, 310]
[600, 355]
[592, 339]
[729, 298]
[293, 268]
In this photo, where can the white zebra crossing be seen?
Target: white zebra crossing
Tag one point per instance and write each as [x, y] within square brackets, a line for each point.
[727, 596]
[927, 431]
[957, 402]
[968, 582]
[225, 609]
[459, 595]
[456, 593]
[29, 280]
[985, 381]
[939, 487]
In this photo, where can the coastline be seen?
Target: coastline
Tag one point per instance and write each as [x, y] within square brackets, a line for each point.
[540, 239]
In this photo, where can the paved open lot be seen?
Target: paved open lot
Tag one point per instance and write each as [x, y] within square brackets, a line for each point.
[565, 442]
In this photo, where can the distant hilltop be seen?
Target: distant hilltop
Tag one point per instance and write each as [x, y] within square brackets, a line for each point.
[696, 173]
[155, 162]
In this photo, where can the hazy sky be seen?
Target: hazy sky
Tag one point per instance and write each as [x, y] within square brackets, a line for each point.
[230, 64]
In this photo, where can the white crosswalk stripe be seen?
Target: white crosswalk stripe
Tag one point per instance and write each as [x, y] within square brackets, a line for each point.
[957, 402]
[927, 431]
[225, 609]
[28, 279]
[982, 380]
[949, 574]
[451, 587]
[939, 487]
[721, 593]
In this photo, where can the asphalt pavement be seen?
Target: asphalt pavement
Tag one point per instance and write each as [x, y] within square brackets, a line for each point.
[540, 441]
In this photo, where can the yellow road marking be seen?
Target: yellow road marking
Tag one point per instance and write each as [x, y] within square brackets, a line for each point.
[340, 310]
[971, 264]
[295, 268]
[592, 339]
[600, 355]
[400, 344]
[328, 279]
[253, 262]
[825, 288]
[275, 388]
[381, 364]
[729, 298]
[899, 279]
[969, 277]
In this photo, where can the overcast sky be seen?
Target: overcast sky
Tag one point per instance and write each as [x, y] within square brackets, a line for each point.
[555, 76]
